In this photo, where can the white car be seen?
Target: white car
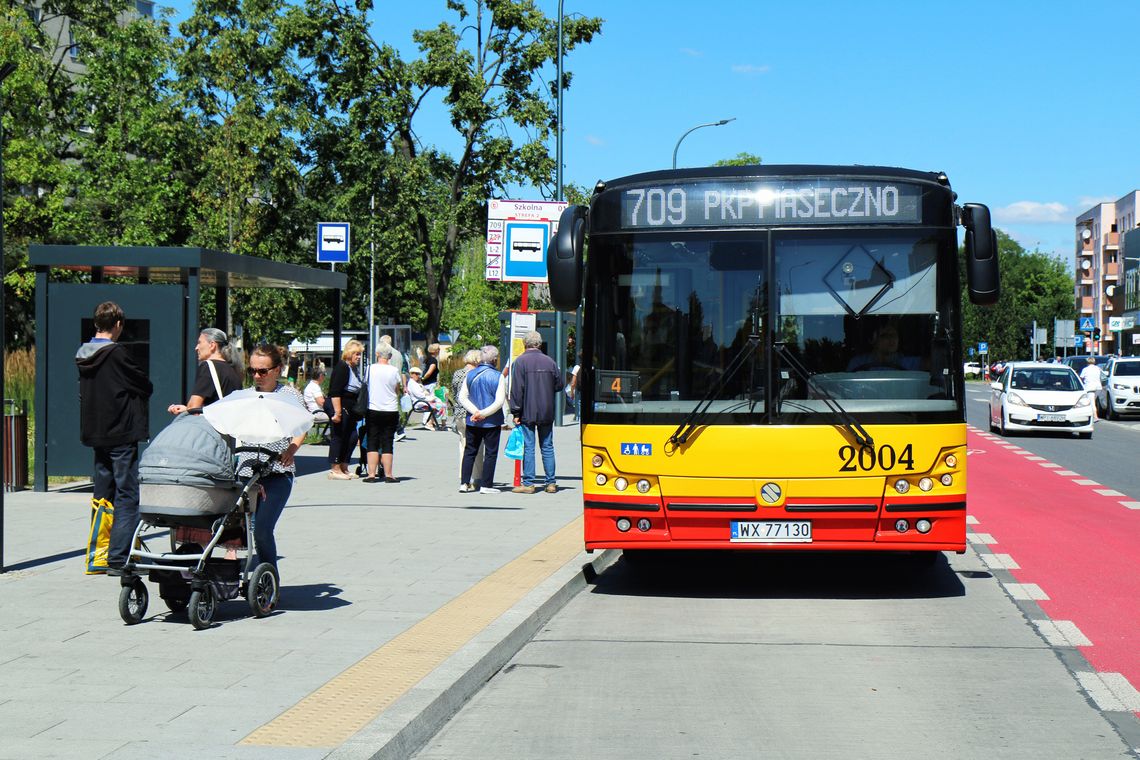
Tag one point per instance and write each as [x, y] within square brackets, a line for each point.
[972, 369]
[1121, 391]
[1035, 396]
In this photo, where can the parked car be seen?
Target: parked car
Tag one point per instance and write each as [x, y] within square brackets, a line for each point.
[1079, 361]
[1120, 393]
[972, 369]
[1037, 396]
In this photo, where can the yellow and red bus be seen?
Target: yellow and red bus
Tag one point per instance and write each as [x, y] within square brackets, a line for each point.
[771, 357]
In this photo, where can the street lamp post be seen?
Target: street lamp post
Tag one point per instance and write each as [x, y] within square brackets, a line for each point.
[6, 70]
[720, 123]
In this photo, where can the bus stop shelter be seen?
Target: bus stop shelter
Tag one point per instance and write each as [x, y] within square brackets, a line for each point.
[160, 290]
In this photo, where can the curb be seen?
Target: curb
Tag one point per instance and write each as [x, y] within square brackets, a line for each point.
[410, 723]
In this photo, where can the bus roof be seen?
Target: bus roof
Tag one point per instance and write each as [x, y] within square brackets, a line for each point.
[781, 170]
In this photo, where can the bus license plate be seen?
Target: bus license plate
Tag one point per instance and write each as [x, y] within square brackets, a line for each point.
[771, 531]
[1050, 418]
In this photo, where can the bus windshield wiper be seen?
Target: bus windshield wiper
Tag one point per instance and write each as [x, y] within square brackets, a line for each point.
[685, 429]
[861, 436]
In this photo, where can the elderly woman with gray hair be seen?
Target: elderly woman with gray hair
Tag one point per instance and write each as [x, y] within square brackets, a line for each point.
[216, 376]
[471, 360]
[483, 395]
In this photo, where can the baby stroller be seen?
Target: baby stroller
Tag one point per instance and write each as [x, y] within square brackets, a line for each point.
[188, 485]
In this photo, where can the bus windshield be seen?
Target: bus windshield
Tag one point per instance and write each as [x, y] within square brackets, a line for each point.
[866, 312]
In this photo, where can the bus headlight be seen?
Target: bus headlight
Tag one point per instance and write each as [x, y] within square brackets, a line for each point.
[623, 524]
[643, 486]
[947, 479]
[902, 526]
[643, 524]
[597, 461]
[621, 484]
[926, 484]
[600, 479]
[922, 526]
[902, 486]
[951, 460]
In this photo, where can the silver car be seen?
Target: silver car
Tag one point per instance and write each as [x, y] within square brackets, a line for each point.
[1121, 392]
[1038, 396]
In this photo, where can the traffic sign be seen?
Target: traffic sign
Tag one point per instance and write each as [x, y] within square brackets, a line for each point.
[1087, 324]
[332, 242]
[518, 233]
[1078, 341]
[983, 348]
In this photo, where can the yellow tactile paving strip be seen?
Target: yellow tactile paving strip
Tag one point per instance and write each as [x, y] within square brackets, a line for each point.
[347, 703]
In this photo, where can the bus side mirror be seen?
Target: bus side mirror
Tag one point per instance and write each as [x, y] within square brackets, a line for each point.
[564, 259]
[982, 278]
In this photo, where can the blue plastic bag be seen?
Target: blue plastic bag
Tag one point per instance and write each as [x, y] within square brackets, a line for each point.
[514, 448]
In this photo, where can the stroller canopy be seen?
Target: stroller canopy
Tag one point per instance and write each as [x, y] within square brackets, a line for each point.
[188, 452]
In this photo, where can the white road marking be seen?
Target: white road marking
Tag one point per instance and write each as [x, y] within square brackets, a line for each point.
[1050, 465]
[1062, 633]
[1068, 473]
[1107, 492]
[971, 520]
[1036, 459]
[1130, 504]
[1083, 482]
[999, 562]
[1026, 591]
[1110, 691]
[980, 538]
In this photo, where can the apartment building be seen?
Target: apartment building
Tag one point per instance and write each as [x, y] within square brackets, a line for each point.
[58, 31]
[1107, 279]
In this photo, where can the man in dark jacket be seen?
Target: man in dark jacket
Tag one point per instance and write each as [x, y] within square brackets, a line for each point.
[534, 381]
[113, 418]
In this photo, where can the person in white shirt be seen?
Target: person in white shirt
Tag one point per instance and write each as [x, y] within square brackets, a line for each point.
[1090, 379]
[315, 396]
[383, 387]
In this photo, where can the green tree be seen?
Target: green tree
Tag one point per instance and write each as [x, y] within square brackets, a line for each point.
[489, 74]
[1034, 286]
[740, 159]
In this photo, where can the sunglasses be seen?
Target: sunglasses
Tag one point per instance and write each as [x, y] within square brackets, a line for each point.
[259, 371]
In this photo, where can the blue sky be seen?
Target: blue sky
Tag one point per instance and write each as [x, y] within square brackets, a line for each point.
[1029, 107]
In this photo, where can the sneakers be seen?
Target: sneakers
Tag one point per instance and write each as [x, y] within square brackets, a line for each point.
[488, 489]
[466, 488]
[400, 436]
[551, 488]
[524, 489]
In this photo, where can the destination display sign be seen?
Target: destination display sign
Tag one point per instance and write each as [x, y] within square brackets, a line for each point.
[771, 202]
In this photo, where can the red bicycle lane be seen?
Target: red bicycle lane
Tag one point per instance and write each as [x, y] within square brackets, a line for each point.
[1080, 547]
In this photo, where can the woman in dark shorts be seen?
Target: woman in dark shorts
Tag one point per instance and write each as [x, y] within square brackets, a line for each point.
[344, 384]
[383, 389]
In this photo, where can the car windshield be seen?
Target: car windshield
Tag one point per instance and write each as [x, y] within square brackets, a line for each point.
[1131, 369]
[1045, 379]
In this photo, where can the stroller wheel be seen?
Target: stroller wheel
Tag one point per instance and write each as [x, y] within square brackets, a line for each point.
[202, 606]
[133, 600]
[263, 590]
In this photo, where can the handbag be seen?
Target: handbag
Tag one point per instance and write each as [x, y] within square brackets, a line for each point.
[360, 408]
[514, 449]
[99, 541]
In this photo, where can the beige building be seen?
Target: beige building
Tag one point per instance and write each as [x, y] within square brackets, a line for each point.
[1104, 273]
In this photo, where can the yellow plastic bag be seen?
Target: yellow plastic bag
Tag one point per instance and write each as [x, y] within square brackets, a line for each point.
[98, 544]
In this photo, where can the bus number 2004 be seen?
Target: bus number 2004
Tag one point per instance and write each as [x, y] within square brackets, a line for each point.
[866, 458]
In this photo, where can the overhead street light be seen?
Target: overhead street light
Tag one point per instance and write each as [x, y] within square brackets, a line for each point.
[720, 123]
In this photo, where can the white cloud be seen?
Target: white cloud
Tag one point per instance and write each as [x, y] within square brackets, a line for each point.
[750, 69]
[1026, 212]
[692, 53]
[1086, 202]
[595, 140]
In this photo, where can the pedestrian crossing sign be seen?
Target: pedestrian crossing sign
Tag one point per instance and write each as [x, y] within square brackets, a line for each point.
[1087, 324]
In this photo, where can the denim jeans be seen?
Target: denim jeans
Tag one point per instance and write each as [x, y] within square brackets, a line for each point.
[269, 508]
[116, 479]
[546, 443]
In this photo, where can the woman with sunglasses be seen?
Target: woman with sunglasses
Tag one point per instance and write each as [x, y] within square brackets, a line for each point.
[266, 364]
